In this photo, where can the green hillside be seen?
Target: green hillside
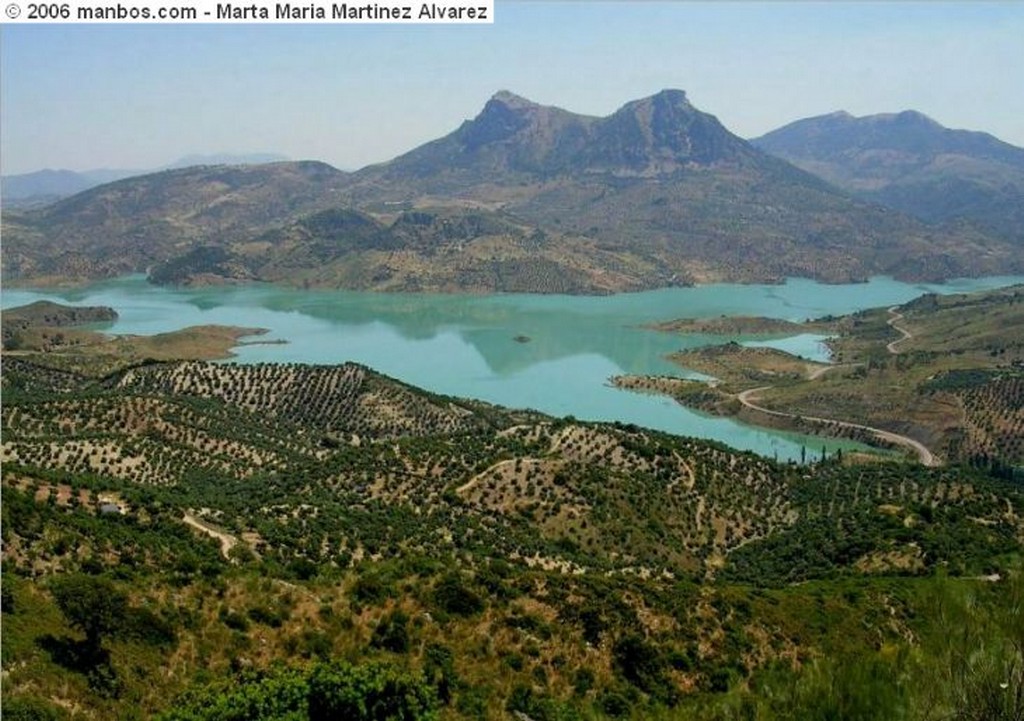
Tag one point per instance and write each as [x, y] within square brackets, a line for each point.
[940, 375]
[190, 540]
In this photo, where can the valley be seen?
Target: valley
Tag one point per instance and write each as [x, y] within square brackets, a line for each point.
[467, 347]
[487, 560]
[555, 417]
[284, 524]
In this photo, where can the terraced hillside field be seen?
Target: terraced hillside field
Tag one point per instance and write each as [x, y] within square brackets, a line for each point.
[287, 451]
[938, 375]
[491, 561]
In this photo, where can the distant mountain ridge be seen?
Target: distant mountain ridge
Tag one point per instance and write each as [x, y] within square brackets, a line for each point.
[911, 163]
[668, 187]
[46, 186]
[132, 224]
[523, 197]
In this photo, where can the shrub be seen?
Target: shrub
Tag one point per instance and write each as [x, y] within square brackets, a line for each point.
[93, 605]
[392, 633]
[452, 596]
[27, 708]
[370, 692]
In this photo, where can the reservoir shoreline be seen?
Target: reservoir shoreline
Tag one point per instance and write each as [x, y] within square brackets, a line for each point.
[467, 345]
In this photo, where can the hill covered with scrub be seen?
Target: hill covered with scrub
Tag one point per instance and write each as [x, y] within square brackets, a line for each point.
[942, 376]
[195, 540]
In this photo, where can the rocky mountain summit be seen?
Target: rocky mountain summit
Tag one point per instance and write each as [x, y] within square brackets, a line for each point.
[523, 197]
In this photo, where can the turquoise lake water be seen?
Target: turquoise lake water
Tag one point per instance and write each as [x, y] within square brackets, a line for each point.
[466, 345]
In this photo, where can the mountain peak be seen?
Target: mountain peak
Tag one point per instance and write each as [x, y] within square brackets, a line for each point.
[662, 134]
[511, 100]
[504, 115]
[672, 95]
[657, 135]
[664, 99]
[913, 117]
[905, 118]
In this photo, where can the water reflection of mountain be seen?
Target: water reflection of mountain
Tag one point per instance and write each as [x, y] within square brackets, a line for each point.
[632, 350]
[557, 327]
[465, 345]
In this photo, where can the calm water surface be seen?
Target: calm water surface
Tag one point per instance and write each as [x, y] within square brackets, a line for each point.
[551, 353]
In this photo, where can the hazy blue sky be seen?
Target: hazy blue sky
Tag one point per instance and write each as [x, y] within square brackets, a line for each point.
[123, 96]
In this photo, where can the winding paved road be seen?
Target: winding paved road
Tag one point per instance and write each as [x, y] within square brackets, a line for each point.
[925, 455]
